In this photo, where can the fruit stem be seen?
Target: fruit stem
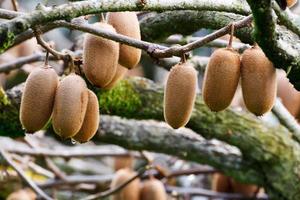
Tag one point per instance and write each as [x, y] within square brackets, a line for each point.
[47, 59]
[183, 58]
[102, 18]
[231, 36]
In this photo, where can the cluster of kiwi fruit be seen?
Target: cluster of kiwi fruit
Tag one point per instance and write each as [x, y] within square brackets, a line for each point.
[180, 94]
[258, 79]
[149, 189]
[106, 61]
[74, 108]
[225, 184]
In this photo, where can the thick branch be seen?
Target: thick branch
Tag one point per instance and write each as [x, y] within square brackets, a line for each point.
[279, 44]
[271, 150]
[18, 25]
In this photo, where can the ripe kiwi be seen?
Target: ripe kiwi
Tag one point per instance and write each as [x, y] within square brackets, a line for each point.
[70, 106]
[180, 94]
[221, 183]
[245, 189]
[130, 191]
[120, 73]
[38, 98]
[91, 120]
[153, 189]
[289, 96]
[221, 79]
[291, 3]
[258, 81]
[100, 57]
[123, 162]
[126, 23]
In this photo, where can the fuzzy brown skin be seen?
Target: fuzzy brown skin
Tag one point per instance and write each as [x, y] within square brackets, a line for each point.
[180, 94]
[126, 23]
[38, 98]
[100, 57]
[258, 81]
[245, 189]
[120, 73]
[91, 120]
[153, 189]
[130, 191]
[221, 79]
[289, 96]
[123, 162]
[221, 183]
[70, 106]
[291, 3]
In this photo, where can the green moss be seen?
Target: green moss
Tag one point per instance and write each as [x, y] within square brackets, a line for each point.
[7, 39]
[9, 118]
[122, 100]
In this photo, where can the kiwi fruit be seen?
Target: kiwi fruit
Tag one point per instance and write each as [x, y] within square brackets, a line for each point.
[221, 79]
[70, 106]
[123, 162]
[153, 189]
[258, 81]
[120, 73]
[289, 96]
[100, 57]
[221, 183]
[130, 191]
[291, 3]
[91, 120]
[245, 189]
[126, 23]
[38, 98]
[180, 94]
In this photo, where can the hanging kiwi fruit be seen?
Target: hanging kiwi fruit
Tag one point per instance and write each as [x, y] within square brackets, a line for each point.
[221, 77]
[38, 98]
[126, 23]
[70, 106]
[91, 120]
[120, 73]
[180, 94]
[153, 189]
[130, 191]
[100, 57]
[258, 81]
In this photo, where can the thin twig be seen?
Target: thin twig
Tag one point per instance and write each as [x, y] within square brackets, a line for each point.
[19, 62]
[179, 50]
[68, 153]
[286, 119]
[119, 187]
[15, 5]
[23, 176]
[46, 46]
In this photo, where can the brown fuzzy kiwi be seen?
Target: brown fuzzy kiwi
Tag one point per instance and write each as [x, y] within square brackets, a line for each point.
[221, 183]
[291, 3]
[289, 96]
[123, 162]
[70, 106]
[120, 73]
[100, 57]
[38, 98]
[153, 189]
[180, 94]
[91, 120]
[258, 81]
[245, 189]
[130, 191]
[126, 23]
[221, 79]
